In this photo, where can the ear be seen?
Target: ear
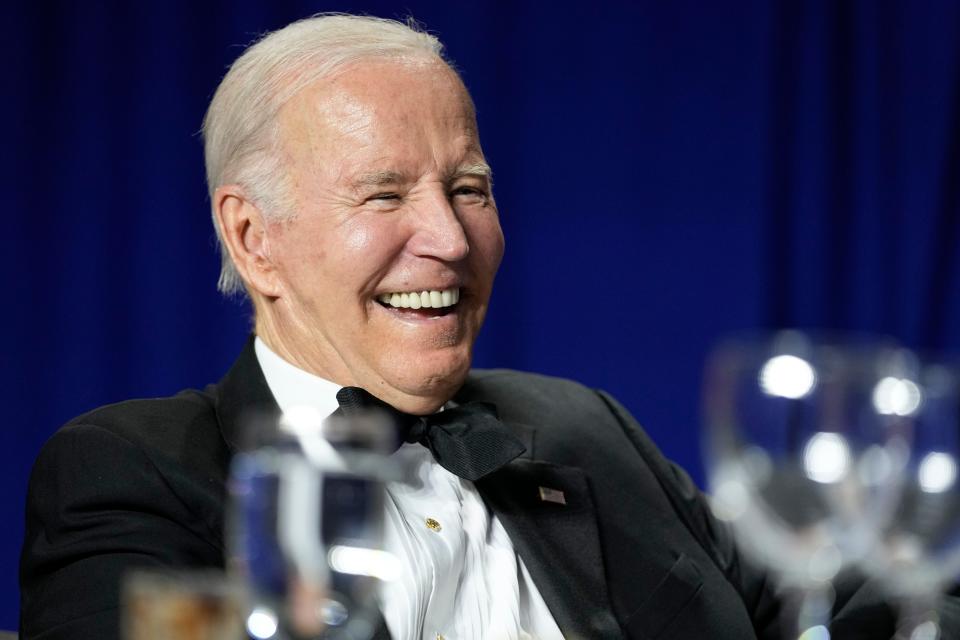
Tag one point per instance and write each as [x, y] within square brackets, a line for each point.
[244, 232]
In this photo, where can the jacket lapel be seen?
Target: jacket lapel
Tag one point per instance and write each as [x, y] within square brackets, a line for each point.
[549, 514]
[243, 397]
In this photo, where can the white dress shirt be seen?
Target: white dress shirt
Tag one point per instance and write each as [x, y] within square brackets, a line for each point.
[461, 578]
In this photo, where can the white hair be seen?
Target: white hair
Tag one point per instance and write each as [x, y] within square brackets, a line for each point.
[240, 129]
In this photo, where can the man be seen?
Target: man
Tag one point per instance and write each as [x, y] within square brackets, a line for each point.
[353, 205]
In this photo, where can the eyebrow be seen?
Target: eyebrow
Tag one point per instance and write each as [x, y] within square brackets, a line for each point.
[378, 179]
[383, 178]
[481, 169]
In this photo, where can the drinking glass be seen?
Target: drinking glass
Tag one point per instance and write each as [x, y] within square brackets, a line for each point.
[306, 527]
[919, 546]
[180, 604]
[800, 461]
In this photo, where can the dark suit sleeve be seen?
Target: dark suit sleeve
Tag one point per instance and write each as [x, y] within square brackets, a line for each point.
[97, 506]
[864, 610]
[753, 584]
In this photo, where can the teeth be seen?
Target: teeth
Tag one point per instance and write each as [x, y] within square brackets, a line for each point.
[421, 299]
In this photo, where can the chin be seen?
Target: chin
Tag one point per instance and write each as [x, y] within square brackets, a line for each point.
[432, 382]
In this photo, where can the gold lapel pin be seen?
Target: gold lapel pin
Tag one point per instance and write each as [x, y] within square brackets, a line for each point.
[552, 495]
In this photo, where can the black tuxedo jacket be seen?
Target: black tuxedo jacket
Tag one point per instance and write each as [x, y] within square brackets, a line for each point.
[633, 552]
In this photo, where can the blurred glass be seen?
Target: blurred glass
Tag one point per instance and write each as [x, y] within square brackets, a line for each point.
[807, 437]
[919, 550]
[181, 605]
[306, 533]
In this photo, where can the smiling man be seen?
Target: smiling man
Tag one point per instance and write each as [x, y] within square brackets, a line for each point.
[380, 275]
[354, 207]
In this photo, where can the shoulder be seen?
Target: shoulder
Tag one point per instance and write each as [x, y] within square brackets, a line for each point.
[165, 425]
[138, 483]
[140, 446]
[520, 395]
[567, 415]
[163, 456]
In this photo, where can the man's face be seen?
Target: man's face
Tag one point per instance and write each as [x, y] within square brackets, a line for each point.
[392, 199]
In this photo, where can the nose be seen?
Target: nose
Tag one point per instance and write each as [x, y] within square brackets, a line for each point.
[439, 231]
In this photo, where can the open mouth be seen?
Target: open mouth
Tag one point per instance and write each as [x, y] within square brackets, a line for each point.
[428, 303]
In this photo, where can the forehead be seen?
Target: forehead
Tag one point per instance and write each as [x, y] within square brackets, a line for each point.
[405, 115]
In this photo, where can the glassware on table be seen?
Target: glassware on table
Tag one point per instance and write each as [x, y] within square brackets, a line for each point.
[306, 527]
[180, 605]
[800, 460]
[919, 547]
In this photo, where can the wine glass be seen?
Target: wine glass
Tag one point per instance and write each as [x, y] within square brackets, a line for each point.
[799, 461]
[306, 531]
[919, 550]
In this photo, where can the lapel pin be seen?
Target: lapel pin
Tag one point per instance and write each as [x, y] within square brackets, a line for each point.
[552, 495]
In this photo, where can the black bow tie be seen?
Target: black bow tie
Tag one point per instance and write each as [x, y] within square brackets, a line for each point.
[468, 441]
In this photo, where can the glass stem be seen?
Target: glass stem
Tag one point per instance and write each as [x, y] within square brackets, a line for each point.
[918, 619]
[813, 610]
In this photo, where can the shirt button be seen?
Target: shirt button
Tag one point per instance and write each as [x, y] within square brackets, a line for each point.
[433, 525]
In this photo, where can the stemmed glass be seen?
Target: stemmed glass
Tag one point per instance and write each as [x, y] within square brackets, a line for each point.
[800, 461]
[307, 496]
[919, 547]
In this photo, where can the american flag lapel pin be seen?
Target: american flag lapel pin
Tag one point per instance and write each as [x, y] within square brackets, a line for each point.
[552, 495]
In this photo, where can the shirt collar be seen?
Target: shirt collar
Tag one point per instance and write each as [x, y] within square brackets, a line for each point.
[292, 386]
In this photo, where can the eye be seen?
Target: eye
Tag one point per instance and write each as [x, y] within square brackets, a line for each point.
[384, 200]
[469, 194]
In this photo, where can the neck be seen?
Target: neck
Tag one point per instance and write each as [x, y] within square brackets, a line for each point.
[312, 356]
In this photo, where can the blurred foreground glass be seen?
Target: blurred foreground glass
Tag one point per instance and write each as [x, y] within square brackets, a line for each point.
[918, 554]
[181, 605]
[306, 532]
[808, 441]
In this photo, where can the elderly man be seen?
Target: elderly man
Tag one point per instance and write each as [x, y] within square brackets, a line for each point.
[354, 206]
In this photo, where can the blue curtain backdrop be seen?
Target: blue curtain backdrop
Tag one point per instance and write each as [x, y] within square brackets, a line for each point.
[666, 172]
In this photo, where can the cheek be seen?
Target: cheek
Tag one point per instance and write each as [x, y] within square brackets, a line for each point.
[486, 243]
[333, 254]
[360, 238]
[367, 240]
[291, 255]
[302, 263]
